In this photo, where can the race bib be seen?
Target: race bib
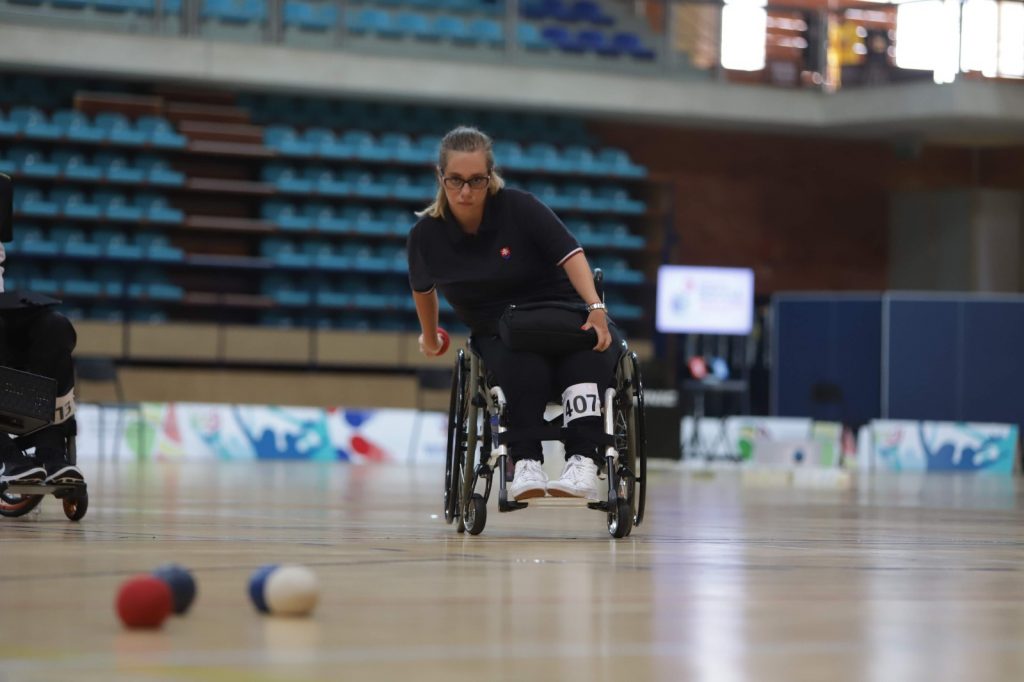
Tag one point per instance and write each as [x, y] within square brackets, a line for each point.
[580, 400]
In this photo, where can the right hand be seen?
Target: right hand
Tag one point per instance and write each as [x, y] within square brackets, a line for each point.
[436, 349]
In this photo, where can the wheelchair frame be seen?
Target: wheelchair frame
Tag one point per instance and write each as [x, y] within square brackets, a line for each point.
[18, 499]
[472, 398]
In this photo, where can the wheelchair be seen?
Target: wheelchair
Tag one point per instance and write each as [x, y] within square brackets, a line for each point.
[477, 447]
[26, 406]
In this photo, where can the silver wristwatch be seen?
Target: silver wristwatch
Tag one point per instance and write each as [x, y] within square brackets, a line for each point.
[591, 307]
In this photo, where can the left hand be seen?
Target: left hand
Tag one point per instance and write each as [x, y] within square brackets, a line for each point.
[598, 321]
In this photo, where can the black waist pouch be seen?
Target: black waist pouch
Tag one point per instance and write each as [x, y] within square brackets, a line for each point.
[546, 327]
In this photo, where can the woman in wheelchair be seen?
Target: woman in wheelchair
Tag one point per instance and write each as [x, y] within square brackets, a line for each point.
[486, 246]
[36, 339]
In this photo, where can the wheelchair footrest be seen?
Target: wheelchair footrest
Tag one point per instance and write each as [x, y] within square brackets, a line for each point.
[599, 506]
[511, 505]
[56, 489]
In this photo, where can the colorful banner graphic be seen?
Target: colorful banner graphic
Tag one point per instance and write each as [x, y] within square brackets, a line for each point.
[245, 432]
[944, 446]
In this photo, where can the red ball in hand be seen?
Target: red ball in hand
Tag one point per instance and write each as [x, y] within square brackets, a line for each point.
[144, 602]
[445, 340]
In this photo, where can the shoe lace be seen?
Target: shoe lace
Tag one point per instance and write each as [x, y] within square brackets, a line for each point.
[576, 470]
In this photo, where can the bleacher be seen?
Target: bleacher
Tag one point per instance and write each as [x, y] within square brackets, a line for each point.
[130, 207]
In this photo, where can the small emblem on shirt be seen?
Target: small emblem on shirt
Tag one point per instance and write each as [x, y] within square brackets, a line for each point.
[506, 252]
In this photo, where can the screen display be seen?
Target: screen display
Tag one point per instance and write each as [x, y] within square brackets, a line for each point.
[705, 300]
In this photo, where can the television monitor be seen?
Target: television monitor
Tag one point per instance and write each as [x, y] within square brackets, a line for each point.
[705, 300]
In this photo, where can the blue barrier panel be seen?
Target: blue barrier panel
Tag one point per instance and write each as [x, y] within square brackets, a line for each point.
[827, 339]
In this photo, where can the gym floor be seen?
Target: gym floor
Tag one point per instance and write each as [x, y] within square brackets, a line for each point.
[731, 577]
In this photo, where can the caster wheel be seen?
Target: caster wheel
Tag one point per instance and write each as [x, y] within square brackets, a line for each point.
[75, 506]
[13, 506]
[476, 514]
[620, 520]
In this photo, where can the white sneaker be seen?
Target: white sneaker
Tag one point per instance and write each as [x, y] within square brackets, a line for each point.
[579, 479]
[528, 481]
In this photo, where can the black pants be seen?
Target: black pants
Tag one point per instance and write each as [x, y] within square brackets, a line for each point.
[531, 380]
[40, 341]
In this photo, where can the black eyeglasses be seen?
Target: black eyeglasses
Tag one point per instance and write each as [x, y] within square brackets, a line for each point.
[457, 183]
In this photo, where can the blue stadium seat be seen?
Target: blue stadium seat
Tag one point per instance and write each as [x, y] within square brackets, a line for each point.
[155, 285]
[546, 157]
[617, 162]
[116, 206]
[363, 183]
[156, 208]
[620, 201]
[397, 221]
[365, 146]
[326, 144]
[324, 255]
[122, 6]
[287, 178]
[117, 245]
[597, 42]
[285, 252]
[371, 20]
[619, 236]
[32, 162]
[234, 11]
[324, 218]
[158, 131]
[560, 37]
[590, 11]
[76, 126]
[285, 215]
[284, 290]
[8, 128]
[74, 165]
[325, 181]
[158, 171]
[285, 140]
[416, 25]
[487, 31]
[33, 123]
[32, 201]
[31, 239]
[310, 16]
[363, 257]
[156, 246]
[74, 203]
[72, 280]
[630, 43]
[117, 168]
[74, 242]
[454, 28]
[118, 128]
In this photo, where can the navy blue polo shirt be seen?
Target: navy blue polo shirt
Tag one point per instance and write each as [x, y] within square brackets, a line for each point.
[515, 257]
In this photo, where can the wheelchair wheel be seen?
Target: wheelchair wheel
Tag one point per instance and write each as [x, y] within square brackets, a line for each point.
[13, 506]
[456, 446]
[620, 519]
[476, 514]
[631, 438]
[76, 505]
[467, 502]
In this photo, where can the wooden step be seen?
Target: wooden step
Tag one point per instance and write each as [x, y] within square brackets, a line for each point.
[240, 149]
[223, 223]
[184, 93]
[129, 105]
[221, 132]
[191, 111]
[226, 186]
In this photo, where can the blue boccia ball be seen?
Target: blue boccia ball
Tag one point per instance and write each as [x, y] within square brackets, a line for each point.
[182, 584]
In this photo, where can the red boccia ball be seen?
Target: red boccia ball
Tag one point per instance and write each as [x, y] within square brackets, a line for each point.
[445, 340]
[144, 602]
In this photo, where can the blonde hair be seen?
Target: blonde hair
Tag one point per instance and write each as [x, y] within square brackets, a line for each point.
[462, 139]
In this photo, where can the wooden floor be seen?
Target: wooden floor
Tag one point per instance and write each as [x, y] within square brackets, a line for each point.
[896, 578]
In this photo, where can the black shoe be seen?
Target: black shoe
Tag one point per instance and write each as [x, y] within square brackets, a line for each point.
[21, 469]
[56, 466]
[65, 474]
